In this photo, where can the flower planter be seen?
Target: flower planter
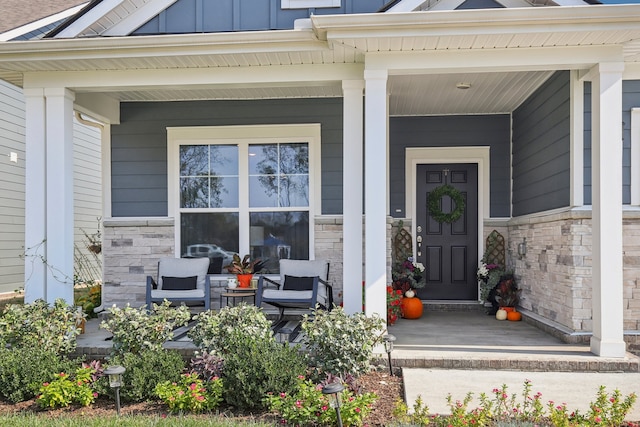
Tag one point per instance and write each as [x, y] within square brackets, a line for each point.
[244, 280]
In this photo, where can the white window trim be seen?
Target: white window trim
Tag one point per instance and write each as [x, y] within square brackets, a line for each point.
[635, 156]
[430, 155]
[305, 4]
[245, 135]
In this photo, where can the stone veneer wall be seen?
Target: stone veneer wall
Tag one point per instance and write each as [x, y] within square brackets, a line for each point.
[132, 247]
[555, 274]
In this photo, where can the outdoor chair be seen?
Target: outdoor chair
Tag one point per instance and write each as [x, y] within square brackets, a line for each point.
[180, 280]
[303, 284]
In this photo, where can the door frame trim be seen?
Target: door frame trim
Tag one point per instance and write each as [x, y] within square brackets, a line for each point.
[479, 155]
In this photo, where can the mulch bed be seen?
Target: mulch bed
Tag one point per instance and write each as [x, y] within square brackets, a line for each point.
[387, 388]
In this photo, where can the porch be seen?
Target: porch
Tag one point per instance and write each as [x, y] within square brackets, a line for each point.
[452, 336]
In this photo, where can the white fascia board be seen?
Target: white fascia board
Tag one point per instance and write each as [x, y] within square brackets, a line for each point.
[32, 26]
[479, 21]
[162, 45]
[177, 78]
[524, 59]
[138, 18]
[85, 21]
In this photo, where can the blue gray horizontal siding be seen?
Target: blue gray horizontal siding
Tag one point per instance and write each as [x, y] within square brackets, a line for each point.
[451, 131]
[541, 148]
[205, 16]
[630, 99]
[139, 145]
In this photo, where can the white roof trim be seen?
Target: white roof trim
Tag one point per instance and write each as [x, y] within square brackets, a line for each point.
[143, 14]
[85, 21]
[32, 26]
[479, 21]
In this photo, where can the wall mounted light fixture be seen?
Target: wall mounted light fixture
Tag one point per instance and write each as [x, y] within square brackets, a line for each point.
[522, 248]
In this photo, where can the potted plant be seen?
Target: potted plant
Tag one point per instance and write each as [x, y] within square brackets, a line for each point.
[243, 268]
[408, 276]
[394, 304]
[508, 294]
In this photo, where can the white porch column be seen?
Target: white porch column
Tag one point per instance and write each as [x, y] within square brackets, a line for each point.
[352, 195]
[59, 212]
[606, 146]
[49, 195]
[35, 197]
[376, 119]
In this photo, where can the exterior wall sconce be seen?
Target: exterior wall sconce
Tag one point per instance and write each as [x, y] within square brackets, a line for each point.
[522, 248]
[388, 340]
[115, 381]
[333, 390]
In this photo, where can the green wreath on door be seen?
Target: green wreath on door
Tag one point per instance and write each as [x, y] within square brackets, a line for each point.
[434, 204]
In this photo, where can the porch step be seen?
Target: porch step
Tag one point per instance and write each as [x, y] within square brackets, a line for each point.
[529, 360]
[453, 335]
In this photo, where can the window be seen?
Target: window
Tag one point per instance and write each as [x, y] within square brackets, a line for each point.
[244, 189]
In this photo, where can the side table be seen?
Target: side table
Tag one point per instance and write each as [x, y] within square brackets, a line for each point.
[234, 293]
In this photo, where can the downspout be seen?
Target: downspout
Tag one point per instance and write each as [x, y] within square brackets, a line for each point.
[100, 126]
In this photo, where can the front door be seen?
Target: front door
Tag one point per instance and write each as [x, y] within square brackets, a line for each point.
[448, 250]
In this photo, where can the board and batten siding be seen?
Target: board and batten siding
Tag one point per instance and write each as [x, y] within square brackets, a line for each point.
[87, 185]
[541, 148]
[139, 145]
[12, 119]
[630, 99]
[451, 131]
[204, 16]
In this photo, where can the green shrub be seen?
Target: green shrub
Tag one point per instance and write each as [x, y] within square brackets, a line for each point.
[309, 406]
[137, 329]
[190, 393]
[254, 367]
[340, 343]
[143, 373]
[65, 390]
[213, 330]
[38, 325]
[23, 370]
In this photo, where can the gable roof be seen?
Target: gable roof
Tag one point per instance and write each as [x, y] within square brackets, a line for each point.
[17, 13]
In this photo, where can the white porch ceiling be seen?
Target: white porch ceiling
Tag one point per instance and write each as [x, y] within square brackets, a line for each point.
[411, 95]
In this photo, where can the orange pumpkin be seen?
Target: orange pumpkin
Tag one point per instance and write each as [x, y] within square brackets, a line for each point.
[411, 308]
[514, 316]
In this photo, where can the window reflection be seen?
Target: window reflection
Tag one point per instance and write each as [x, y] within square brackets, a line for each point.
[279, 235]
[217, 162]
[211, 235]
[279, 175]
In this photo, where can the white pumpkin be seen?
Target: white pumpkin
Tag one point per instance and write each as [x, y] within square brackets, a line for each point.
[410, 293]
[501, 314]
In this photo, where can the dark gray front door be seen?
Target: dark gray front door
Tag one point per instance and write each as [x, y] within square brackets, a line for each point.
[449, 251]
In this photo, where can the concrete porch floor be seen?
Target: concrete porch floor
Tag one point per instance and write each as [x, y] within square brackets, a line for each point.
[471, 339]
